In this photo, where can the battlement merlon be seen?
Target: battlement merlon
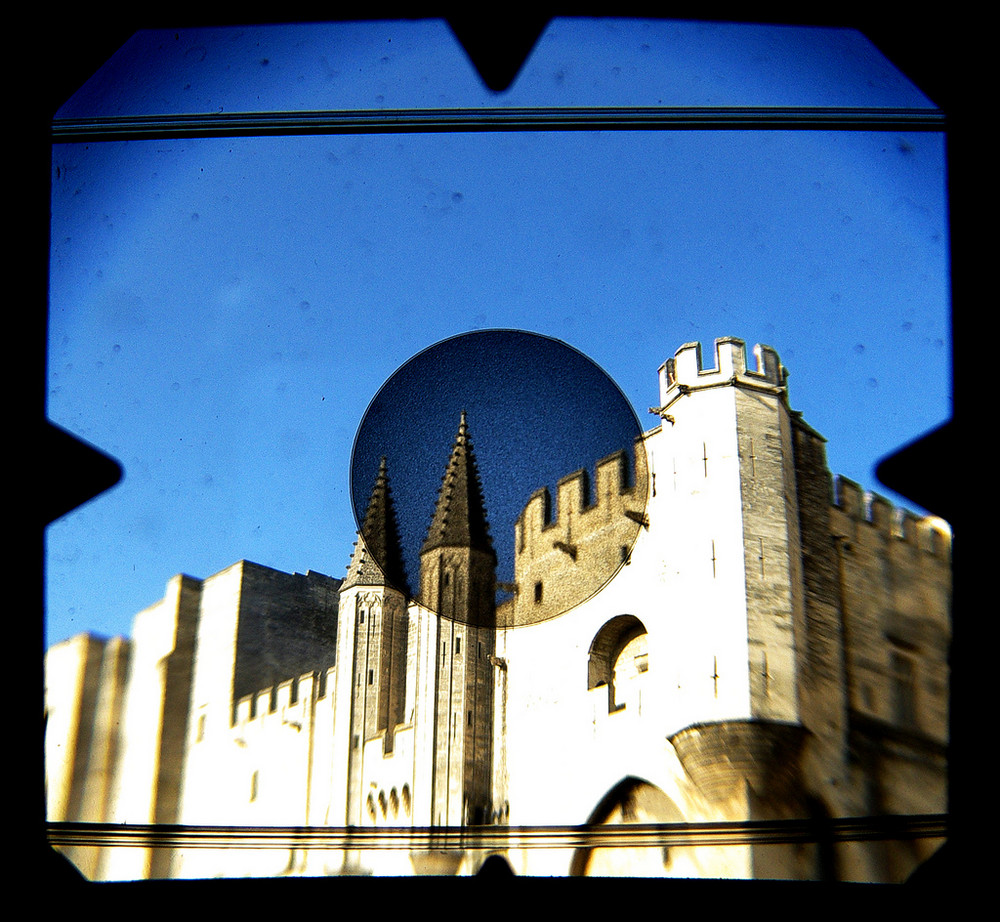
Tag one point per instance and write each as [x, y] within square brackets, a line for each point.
[930, 533]
[686, 371]
[578, 494]
[277, 699]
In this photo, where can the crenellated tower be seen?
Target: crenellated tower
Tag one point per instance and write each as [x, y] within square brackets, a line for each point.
[717, 631]
[726, 461]
[373, 625]
[745, 473]
[458, 582]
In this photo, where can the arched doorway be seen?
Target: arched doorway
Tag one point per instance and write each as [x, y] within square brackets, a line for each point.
[632, 801]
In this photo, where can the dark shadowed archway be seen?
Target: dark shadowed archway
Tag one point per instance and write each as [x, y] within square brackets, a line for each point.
[495, 867]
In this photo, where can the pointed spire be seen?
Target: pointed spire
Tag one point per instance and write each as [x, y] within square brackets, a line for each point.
[460, 515]
[378, 554]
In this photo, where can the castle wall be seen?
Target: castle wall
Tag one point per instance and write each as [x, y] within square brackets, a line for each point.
[130, 731]
[287, 625]
[565, 748]
[782, 620]
[270, 768]
[264, 640]
[72, 689]
[106, 745]
[345, 788]
[150, 768]
[215, 654]
[895, 587]
[819, 633]
[567, 552]
[388, 783]
[257, 627]
[85, 687]
[687, 586]
[772, 644]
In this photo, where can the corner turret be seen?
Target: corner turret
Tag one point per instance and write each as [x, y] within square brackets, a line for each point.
[686, 372]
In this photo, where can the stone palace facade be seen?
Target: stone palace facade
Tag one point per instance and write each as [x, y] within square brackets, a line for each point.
[711, 629]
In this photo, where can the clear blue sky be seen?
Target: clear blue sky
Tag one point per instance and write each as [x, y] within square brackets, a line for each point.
[222, 312]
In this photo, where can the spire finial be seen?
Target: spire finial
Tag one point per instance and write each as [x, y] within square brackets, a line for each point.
[460, 516]
[379, 537]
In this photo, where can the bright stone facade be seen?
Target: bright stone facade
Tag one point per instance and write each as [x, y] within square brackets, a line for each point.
[772, 645]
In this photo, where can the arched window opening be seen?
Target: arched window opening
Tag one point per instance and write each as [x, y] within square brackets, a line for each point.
[618, 652]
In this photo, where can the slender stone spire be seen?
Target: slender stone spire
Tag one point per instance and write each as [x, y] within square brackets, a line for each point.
[378, 554]
[458, 582]
[460, 515]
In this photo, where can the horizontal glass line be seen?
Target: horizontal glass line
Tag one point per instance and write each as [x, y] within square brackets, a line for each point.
[387, 121]
[761, 832]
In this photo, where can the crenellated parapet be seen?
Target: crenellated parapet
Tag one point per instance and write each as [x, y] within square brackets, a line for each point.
[686, 371]
[278, 701]
[565, 553]
[584, 504]
[894, 593]
[861, 510]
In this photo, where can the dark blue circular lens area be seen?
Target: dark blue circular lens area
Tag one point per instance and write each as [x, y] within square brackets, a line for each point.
[535, 410]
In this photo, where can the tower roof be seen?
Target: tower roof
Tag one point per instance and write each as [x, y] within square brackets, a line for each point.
[378, 555]
[460, 515]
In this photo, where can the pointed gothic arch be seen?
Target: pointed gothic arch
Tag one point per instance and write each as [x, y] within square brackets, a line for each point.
[632, 800]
